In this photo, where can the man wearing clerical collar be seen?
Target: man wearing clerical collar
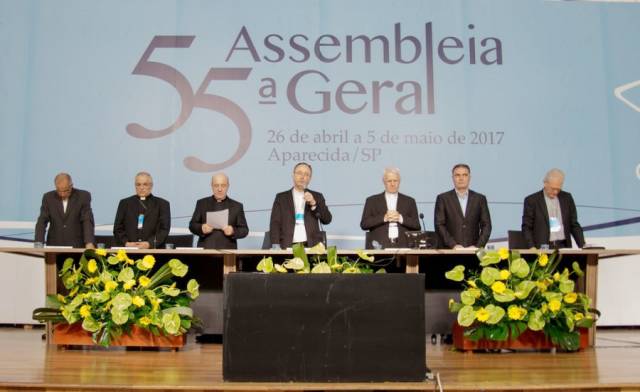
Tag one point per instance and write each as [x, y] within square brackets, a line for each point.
[388, 215]
[297, 213]
[461, 216]
[550, 216]
[226, 234]
[142, 220]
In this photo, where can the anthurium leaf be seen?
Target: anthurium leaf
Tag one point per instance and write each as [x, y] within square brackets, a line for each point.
[67, 265]
[113, 260]
[295, 264]
[467, 297]
[193, 288]
[170, 291]
[507, 296]
[181, 310]
[171, 322]
[100, 296]
[178, 268]
[566, 286]
[536, 320]
[577, 269]
[456, 274]
[550, 296]
[489, 275]
[119, 315]
[321, 268]
[265, 265]
[91, 325]
[520, 268]
[122, 301]
[488, 257]
[126, 274]
[278, 268]
[466, 316]
[298, 251]
[523, 289]
[381, 271]
[496, 313]
[498, 332]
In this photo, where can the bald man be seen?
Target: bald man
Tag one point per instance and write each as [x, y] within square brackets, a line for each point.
[142, 220]
[550, 215]
[67, 214]
[236, 228]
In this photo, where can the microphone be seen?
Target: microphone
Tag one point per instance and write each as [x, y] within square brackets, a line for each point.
[424, 228]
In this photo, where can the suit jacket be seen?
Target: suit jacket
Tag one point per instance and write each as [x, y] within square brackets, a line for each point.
[216, 239]
[373, 220]
[535, 220]
[156, 224]
[453, 228]
[75, 227]
[283, 220]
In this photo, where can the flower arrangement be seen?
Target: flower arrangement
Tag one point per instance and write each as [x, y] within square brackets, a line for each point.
[109, 293]
[323, 261]
[509, 295]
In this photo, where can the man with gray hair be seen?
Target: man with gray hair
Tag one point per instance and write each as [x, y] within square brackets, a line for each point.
[550, 216]
[388, 215]
[142, 220]
[225, 237]
[67, 213]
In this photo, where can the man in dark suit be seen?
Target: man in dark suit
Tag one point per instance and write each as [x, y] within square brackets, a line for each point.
[142, 220]
[226, 236]
[461, 216]
[388, 215]
[67, 212]
[550, 215]
[296, 212]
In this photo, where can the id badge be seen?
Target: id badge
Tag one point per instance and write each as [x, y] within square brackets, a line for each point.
[299, 218]
[140, 221]
[554, 225]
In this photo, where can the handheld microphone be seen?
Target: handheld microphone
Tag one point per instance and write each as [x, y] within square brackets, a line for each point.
[424, 228]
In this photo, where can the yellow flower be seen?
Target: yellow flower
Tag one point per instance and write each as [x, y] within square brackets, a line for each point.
[556, 276]
[110, 286]
[472, 283]
[91, 281]
[92, 266]
[138, 301]
[578, 316]
[61, 298]
[542, 286]
[516, 312]
[148, 261]
[482, 315]
[451, 302]
[85, 311]
[503, 253]
[543, 259]
[144, 321]
[554, 305]
[129, 284]
[570, 297]
[498, 287]
[544, 308]
[101, 252]
[121, 255]
[155, 304]
[144, 281]
[504, 274]
[130, 261]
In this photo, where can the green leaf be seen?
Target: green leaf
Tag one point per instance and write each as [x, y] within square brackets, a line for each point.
[577, 269]
[507, 296]
[332, 255]
[488, 257]
[489, 275]
[551, 295]
[193, 288]
[298, 251]
[126, 274]
[498, 332]
[295, 264]
[100, 296]
[171, 322]
[381, 271]
[536, 320]
[321, 268]
[178, 268]
[520, 268]
[91, 325]
[121, 301]
[466, 316]
[265, 265]
[523, 289]
[467, 297]
[566, 286]
[456, 274]
[119, 315]
[180, 310]
[66, 266]
[496, 313]
[171, 291]
[112, 260]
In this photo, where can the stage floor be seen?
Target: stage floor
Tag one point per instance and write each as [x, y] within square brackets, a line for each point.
[27, 364]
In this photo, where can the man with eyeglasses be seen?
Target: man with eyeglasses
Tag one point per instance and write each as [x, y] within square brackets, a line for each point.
[66, 212]
[143, 220]
[297, 213]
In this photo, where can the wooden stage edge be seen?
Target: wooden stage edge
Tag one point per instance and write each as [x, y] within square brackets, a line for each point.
[28, 364]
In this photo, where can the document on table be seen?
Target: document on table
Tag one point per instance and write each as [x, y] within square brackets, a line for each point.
[218, 219]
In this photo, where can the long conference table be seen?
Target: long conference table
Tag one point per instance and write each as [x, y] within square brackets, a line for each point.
[410, 260]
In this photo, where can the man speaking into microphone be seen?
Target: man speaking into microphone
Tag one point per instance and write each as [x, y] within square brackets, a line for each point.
[297, 213]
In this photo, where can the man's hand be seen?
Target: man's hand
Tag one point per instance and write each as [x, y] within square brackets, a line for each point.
[392, 216]
[228, 230]
[143, 245]
[308, 198]
[458, 246]
[206, 229]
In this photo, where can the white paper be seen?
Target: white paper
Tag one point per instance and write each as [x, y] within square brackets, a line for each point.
[218, 219]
